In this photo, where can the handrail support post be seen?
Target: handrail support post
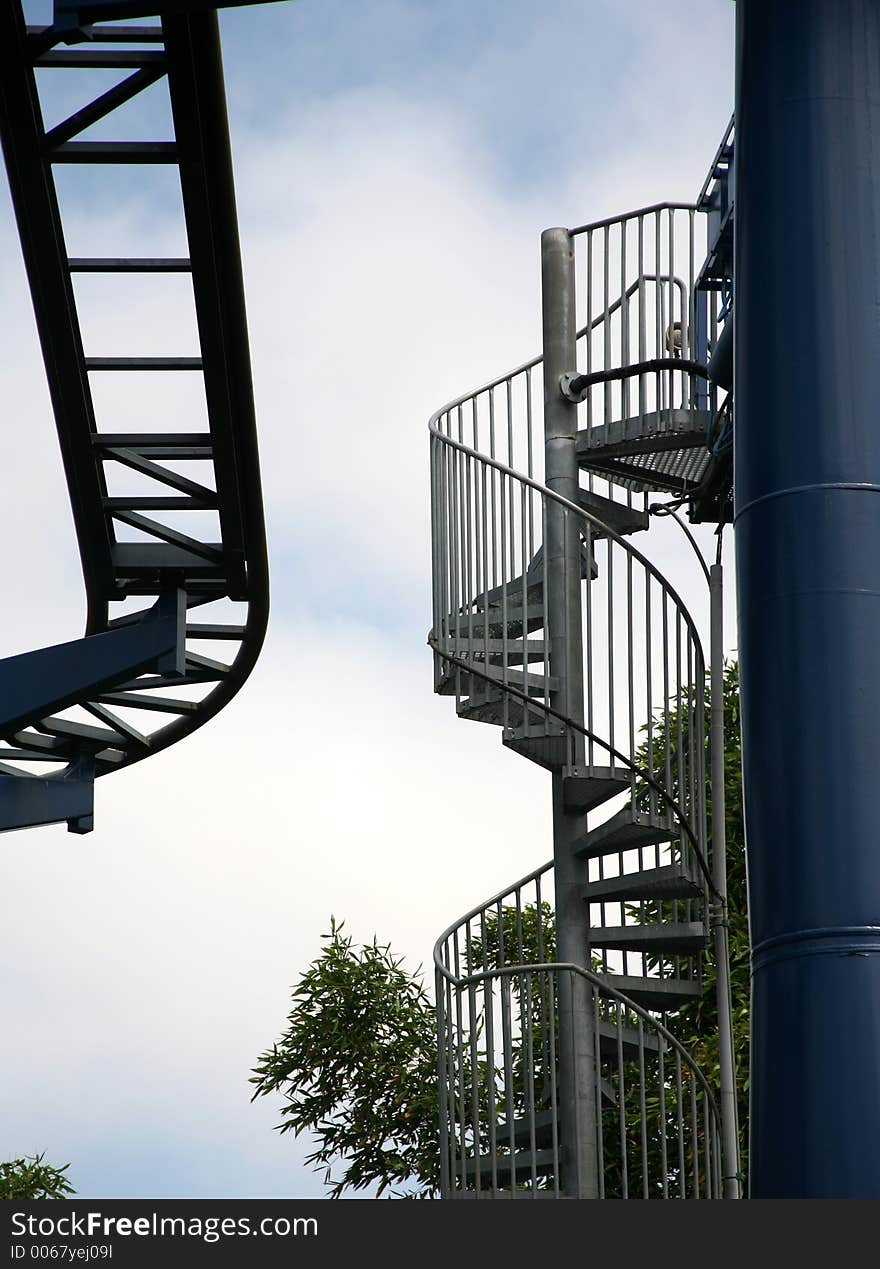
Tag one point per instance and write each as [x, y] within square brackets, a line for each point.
[727, 1067]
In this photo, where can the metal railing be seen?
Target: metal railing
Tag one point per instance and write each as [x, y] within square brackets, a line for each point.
[639, 732]
[637, 274]
[643, 662]
[498, 1015]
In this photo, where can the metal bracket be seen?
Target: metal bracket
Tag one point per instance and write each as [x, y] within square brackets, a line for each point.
[569, 391]
[27, 801]
[574, 386]
[36, 684]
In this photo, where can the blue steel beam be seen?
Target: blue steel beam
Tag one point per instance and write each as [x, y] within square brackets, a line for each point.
[71, 14]
[34, 684]
[185, 49]
[807, 464]
[29, 801]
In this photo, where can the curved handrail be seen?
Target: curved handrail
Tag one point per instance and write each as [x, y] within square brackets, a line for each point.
[499, 1005]
[488, 524]
[602, 982]
[495, 973]
[544, 707]
[572, 507]
[603, 744]
[633, 215]
[602, 985]
[496, 898]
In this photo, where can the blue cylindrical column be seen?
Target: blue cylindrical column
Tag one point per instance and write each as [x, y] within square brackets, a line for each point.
[807, 464]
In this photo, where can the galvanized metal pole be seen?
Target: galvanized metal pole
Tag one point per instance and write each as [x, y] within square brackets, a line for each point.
[807, 385]
[577, 1072]
[727, 1067]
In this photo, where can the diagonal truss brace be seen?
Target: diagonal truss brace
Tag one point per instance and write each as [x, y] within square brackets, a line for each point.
[36, 684]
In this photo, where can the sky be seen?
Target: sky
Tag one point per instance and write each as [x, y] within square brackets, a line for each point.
[396, 161]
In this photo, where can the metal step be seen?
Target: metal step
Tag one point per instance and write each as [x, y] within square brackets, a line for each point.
[584, 789]
[617, 515]
[534, 592]
[521, 1164]
[626, 830]
[548, 751]
[473, 626]
[673, 936]
[671, 881]
[493, 650]
[460, 683]
[653, 431]
[659, 994]
[535, 580]
[522, 1131]
[543, 1124]
[610, 1033]
[497, 707]
[663, 449]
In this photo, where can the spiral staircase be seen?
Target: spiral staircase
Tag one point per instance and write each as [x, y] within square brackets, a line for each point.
[159, 452]
[560, 1071]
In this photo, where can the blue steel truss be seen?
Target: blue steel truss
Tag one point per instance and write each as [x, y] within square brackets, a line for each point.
[150, 669]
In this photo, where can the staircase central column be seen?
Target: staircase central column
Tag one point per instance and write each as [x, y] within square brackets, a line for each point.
[577, 1074]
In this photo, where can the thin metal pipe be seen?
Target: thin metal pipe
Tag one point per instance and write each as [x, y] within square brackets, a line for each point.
[726, 1058]
[600, 1143]
[643, 1108]
[440, 988]
[652, 210]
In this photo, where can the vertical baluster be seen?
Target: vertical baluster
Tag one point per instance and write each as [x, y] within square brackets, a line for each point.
[526, 1041]
[588, 624]
[621, 1109]
[484, 527]
[506, 1046]
[545, 608]
[626, 359]
[643, 322]
[597, 1058]
[679, 1113]
[610, 639]
[649, 692]
[643, 1106]
[607, 413]
[442, 1016]
[589, 339]
[476, 1134]
[661, 1097]
[671, 322]
[630, 657]
[554, 1083]
[489, 1031]
[695, 1137]
[460, 1057]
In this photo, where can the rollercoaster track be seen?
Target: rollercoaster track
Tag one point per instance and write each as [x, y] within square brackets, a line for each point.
[132, 548]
